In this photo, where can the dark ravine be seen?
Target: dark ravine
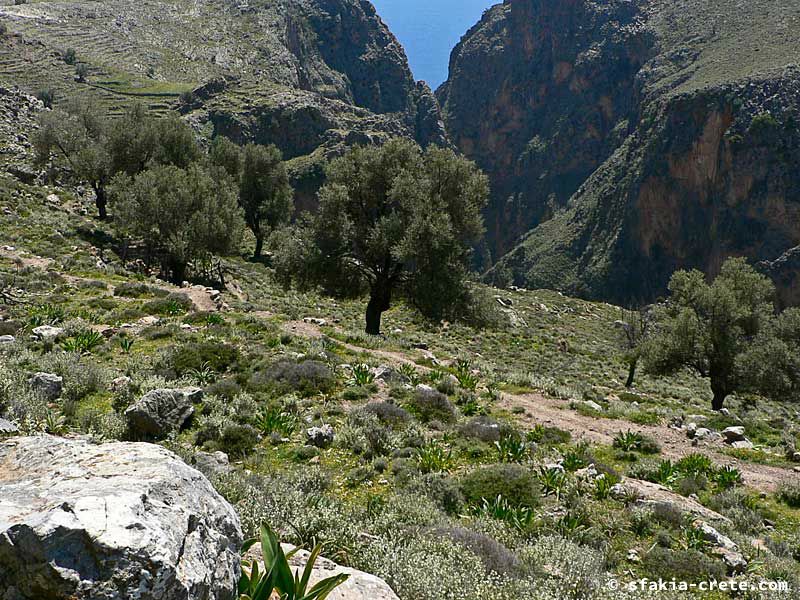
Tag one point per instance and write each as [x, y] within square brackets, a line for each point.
[639, 136]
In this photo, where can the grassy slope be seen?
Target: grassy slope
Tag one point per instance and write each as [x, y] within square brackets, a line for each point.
[563, 352]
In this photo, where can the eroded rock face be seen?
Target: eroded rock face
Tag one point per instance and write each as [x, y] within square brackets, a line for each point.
[111, 521]
[666, 138]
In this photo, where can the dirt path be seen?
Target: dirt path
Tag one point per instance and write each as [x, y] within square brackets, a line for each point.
[549, 411]
[674, 443]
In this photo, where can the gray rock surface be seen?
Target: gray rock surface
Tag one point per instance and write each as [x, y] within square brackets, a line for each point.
[6, 339]
[321, 437]
[160, 412]
[359, 585]
[48, 385]
[47, 332]
[7, 427]
[111, 521]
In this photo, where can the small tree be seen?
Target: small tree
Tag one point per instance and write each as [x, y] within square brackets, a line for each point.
[264, 192]
[224, 153]
[394, 219]
[181, 214]
[710, 327]
[81, 72]
[633, 328]
[70, 56]
[76, 136]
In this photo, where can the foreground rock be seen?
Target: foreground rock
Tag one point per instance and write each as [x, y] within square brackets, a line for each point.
[160, 412]
[111, 521]
[359, 586]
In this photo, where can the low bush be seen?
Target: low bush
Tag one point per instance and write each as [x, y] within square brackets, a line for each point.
[307, 378]
[511, 481]
[789, 493]
[388, 413]
[494, 556]
[441, 489]
[237, 441]
[196, 356]
[549, 436]
[170, 305]
[484, 429]
[430, 405]
[682, 565]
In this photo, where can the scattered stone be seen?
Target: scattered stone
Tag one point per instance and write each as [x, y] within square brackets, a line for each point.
[8, 428]
[633, 555]
[358, 586]
[214, 463]
[49, 385]
[315, 321]
[148, 321]
[320, 437]
[796, 456]
[47, 332]
[733, 434]
[691, 430]
[742, 445]
[723, 546]
[593, 405]
[120, 383]
[53, 199]
[6, 339]
[120, 520]
[162, 411]
[419, 346]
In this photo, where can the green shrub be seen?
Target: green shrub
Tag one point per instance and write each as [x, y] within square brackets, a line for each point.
[196, 356]
[70, 56]
[238, 440]
[47, 97]
[683, 565]
[494, 556]
[789, 493]
[307, 378]
[132, 289]
[430, 405]
[549, 436]
[484, 429]
[389, 414]
[172, 305]
[513, 482]
[442, 490]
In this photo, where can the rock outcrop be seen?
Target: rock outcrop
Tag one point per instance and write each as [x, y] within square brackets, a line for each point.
[634, 137]
[110, 521]
[160, 412]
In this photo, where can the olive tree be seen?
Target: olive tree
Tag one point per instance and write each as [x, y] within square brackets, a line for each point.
[718, 328]
[182, 215]
[632, 329]
[392, 219]
[264, 192]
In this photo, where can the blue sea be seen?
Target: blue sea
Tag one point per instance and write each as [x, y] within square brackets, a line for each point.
[429, 29]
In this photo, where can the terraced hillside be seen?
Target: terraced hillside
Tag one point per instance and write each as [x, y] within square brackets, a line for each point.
[309, 76]
[645, 136]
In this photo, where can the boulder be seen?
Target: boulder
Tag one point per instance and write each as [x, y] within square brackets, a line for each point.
[733, 434]
[742, 445]
[48, 385]
[47, 332]
[6, 339]
[160, 412]
[111, 521]
[591, 404]
[321, 437]
[212, 463]
[358, 586]
[8, 428]
[723, 546]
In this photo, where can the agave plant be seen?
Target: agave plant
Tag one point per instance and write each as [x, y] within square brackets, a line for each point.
[272, 419]
[511, 449]
[666, 474]
[409, 372]
[519, 517]
[728, 477]
[552, 480]
[362, 375]
[434, 458]
[463, 372]
[277, 576]
[696, 464]
[628, 441]
[83, 342]
[126, 345]
[204, 374]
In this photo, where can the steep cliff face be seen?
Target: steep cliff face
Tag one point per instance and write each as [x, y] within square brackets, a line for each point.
[664, 136]
[307, 75]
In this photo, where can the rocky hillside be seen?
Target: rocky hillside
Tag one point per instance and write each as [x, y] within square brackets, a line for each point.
[309, 76]
[643, 136]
